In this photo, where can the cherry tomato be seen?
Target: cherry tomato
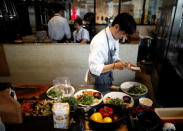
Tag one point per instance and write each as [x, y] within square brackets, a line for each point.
[115, 117]
[97, 95]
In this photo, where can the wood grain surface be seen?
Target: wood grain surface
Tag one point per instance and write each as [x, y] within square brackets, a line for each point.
[4, 69]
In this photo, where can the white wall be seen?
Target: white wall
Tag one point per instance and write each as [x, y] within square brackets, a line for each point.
[41, 63]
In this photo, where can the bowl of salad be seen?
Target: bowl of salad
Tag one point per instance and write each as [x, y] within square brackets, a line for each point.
[134, 89]
[118, 98]
[59, 91]
[88, 97]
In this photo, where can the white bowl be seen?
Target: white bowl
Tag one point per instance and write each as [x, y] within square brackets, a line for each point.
[119, 95]
[71, 93]
[80, 92]
[146, 102]
[125, 86]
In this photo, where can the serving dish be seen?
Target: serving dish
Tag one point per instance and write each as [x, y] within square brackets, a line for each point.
[57, 91]
[146, 102]
[122, 115]
[127, 88]
[37, 108]
[119, 95]
[87, 97]
[171, 114]
[148, 120]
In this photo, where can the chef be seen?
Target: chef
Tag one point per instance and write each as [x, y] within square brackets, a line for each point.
[80, 35]
[104, 50]
[58, 27]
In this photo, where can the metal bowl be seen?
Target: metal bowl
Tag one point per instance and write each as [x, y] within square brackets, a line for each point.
[122, 113]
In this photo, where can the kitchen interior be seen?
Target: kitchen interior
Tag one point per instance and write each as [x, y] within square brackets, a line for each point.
[28, 56]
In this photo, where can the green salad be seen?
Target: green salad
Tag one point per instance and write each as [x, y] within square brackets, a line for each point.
[73, 103]
[54, 93]
[85, 99]
[137, 89]
[115, 101]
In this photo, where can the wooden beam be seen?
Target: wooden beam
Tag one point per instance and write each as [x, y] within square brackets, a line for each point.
[4, 69]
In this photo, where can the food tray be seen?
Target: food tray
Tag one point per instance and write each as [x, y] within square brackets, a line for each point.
[173, 115]
[36, 108]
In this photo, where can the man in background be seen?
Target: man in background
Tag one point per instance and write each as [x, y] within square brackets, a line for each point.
[80, 35]
[58, 27]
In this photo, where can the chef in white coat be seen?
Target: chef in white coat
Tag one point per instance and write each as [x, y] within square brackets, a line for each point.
[80, 35]
[58, 27]
[104, 50]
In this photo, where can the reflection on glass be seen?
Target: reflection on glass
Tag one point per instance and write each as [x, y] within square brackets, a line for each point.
[105, 11]
[81, 8]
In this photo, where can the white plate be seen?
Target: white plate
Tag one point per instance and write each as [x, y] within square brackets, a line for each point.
[77, 94]
[126, 85]
[63, 94]
[119, 95]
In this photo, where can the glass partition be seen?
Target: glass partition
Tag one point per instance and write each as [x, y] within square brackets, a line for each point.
[106, 10]
[143, 11]
[32, 16]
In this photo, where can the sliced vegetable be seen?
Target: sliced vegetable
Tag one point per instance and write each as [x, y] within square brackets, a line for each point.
[137, 89]
[85, 100]
[115, 101]
[54, 92]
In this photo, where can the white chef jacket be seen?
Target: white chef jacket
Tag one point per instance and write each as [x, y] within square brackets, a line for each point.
[98, 55]
[58, 27]
[81, 34]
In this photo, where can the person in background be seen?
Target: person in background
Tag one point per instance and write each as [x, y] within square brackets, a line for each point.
[58, 27]
[80, 35]
[104, 51]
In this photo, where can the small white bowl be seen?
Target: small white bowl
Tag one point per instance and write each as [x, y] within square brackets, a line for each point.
[146, 102]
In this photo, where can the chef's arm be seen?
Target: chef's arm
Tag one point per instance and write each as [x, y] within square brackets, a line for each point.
[117, 65]
[84, 41]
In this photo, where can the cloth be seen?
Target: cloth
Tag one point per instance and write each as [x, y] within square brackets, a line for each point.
[10, 109]
[2, 127]
[98, 55]
[81, 34]
[58, 28]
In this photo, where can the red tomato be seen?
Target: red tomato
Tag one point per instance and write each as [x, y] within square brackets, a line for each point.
[115, 117]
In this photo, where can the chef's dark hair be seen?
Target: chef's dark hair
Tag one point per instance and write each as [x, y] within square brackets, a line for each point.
[57, 7]
[126, 23]
[79, 21]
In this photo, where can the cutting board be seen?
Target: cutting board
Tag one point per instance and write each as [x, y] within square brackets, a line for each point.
[30, 91]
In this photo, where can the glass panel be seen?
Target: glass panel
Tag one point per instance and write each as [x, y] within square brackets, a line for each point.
[152, 11]
[83, 9]
[134, 7]
[106, 10]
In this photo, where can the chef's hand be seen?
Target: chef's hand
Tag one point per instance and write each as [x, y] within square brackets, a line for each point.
[120, 65]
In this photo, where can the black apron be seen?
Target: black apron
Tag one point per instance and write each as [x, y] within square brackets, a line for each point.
[107, 77]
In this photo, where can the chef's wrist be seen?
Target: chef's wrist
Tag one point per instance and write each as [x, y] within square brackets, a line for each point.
[113, 66]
